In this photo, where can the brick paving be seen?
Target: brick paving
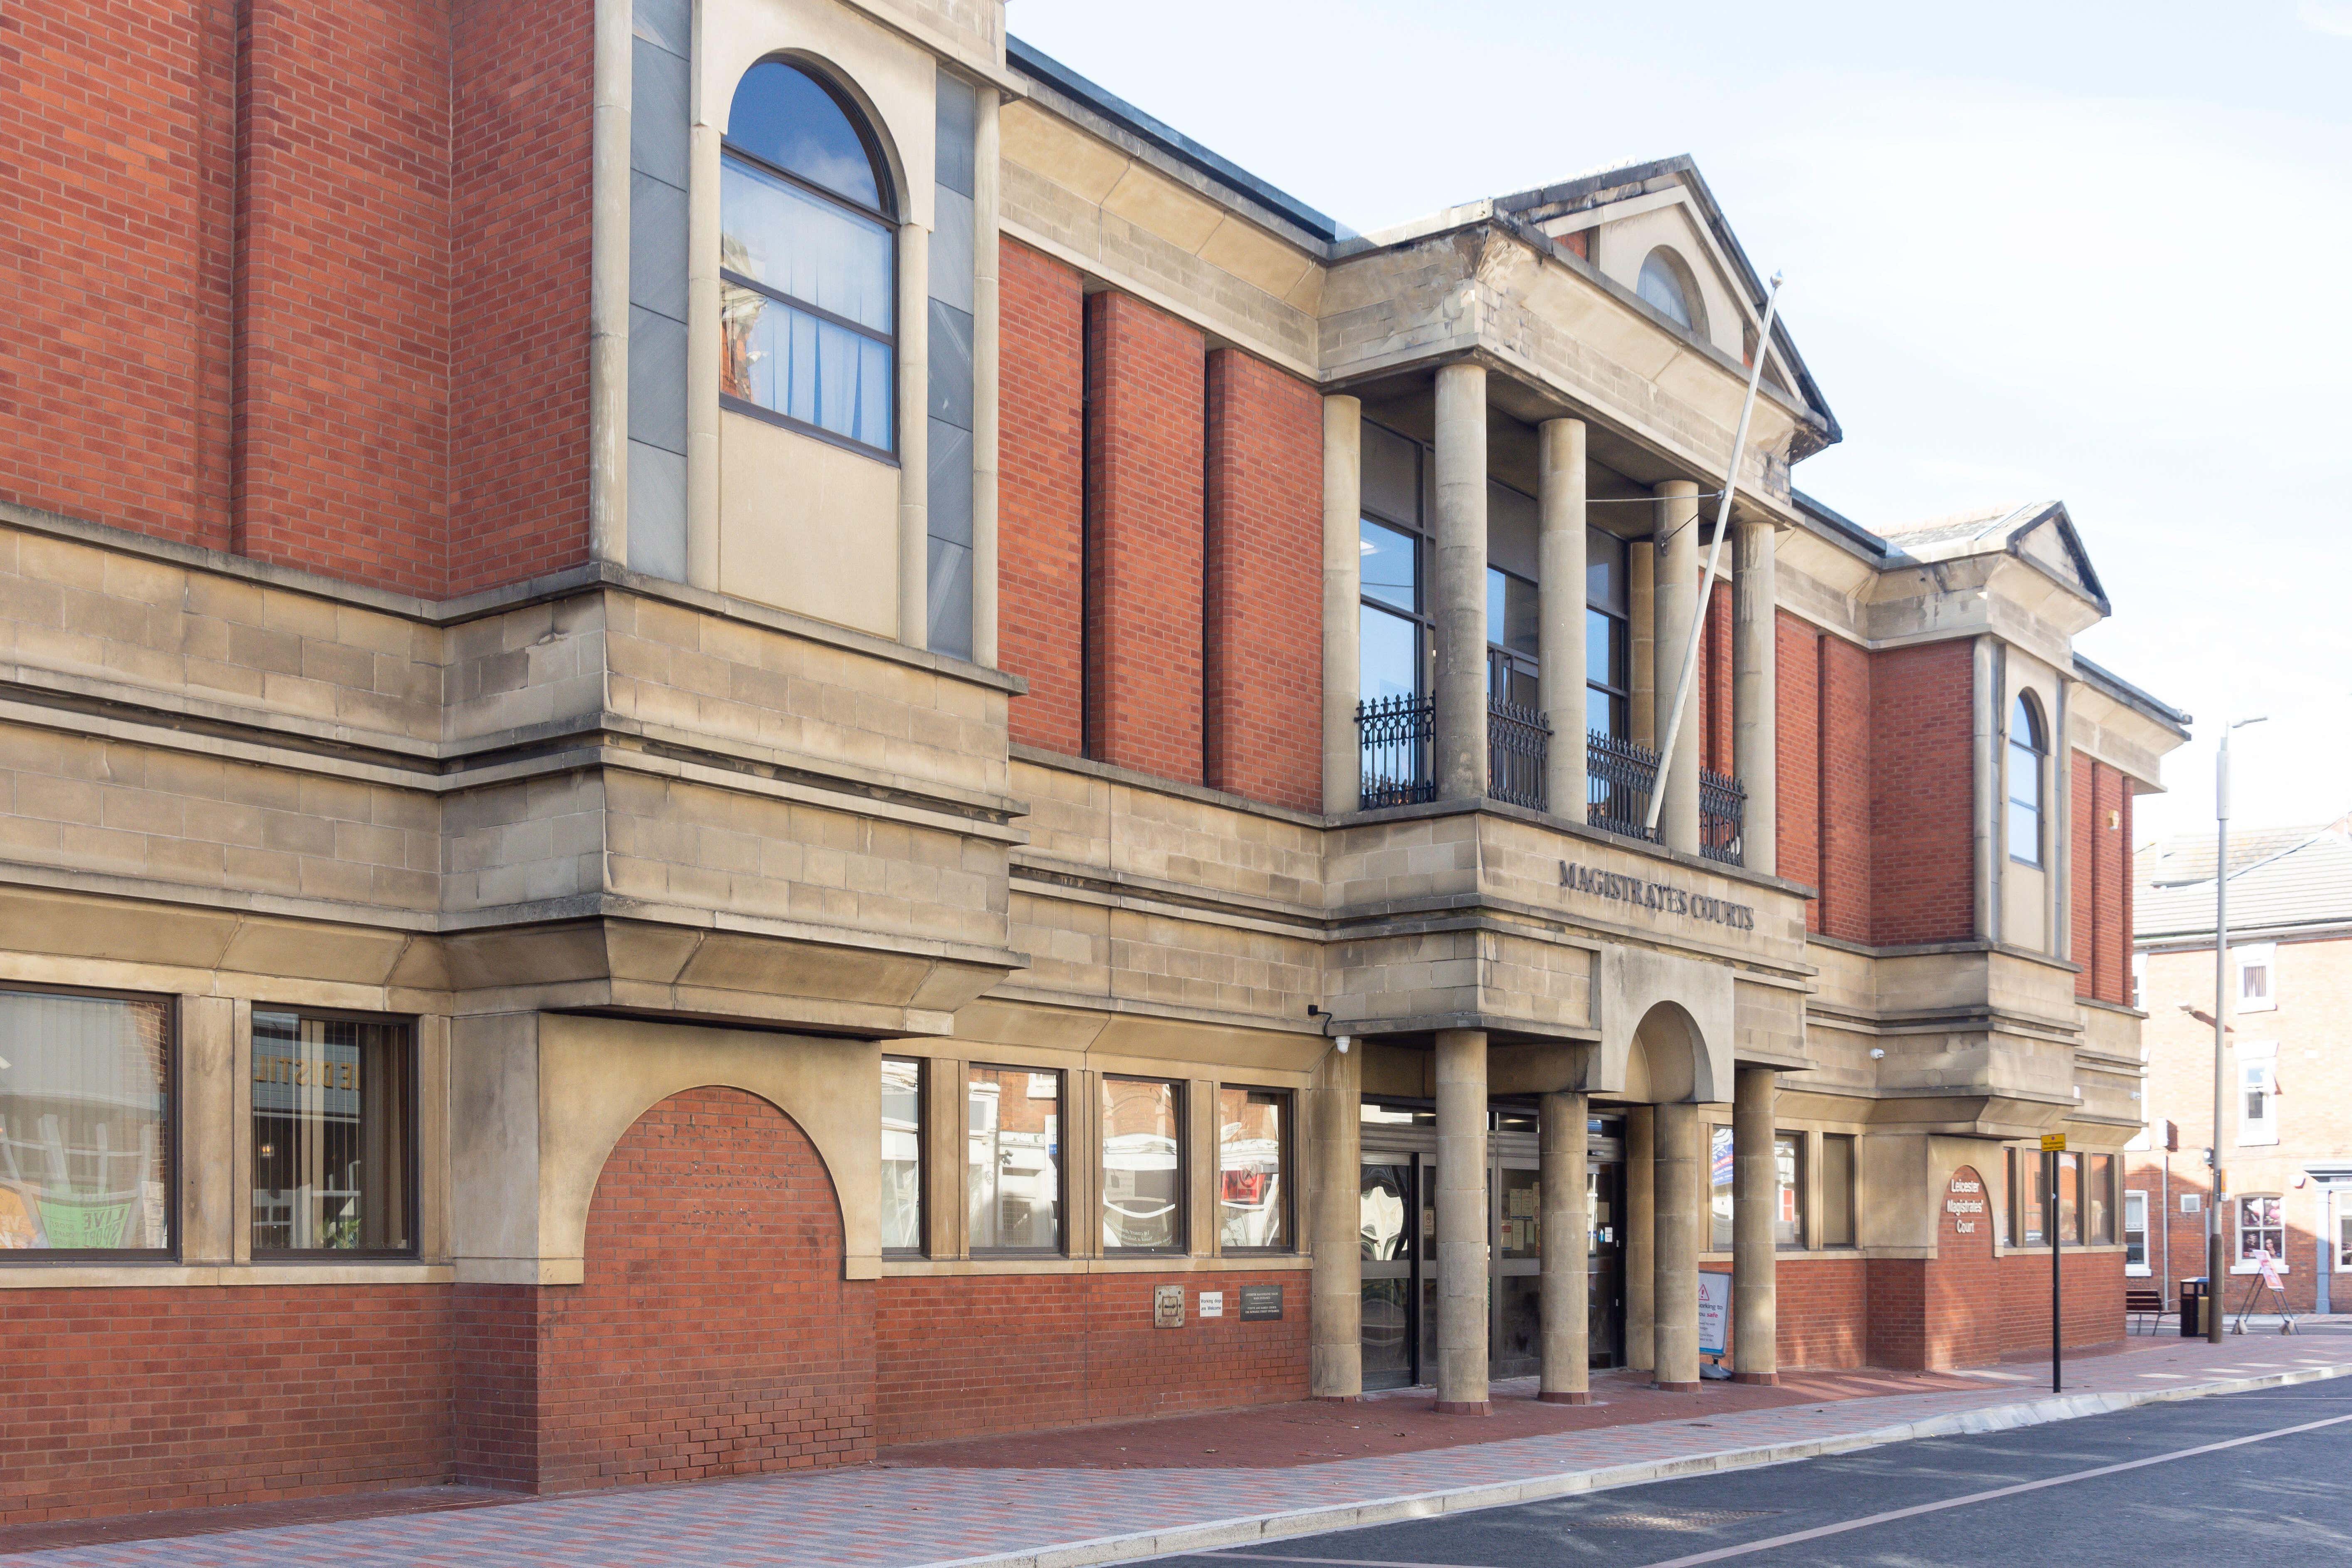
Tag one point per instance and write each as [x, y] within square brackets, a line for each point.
[903, 1515]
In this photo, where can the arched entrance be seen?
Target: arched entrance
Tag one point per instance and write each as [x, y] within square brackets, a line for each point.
[713, 1333]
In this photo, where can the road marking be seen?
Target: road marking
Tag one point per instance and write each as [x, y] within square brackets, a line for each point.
[1819, 1532]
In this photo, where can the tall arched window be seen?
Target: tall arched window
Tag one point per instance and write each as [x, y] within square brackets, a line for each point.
[807, 261]
[2028, 745]
[1666, 283]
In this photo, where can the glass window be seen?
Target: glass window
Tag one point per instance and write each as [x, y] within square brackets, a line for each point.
[2033, 1196]
[85, 1124]
[2261, 1229]
[1661, 284]
[1252, 1169]
[1014, 1160]
[1511, 612]
[1142, 1164]
[808, 287]
[1390, 565]
[334, 1117]
[2026, 749]
[1521, 1221]
[902, 1154]
[1391, 655]
[2342, 1202]
[2099, 1199]
[1789, 1200]
[2070, 1199]
[2004, 1178]
[2257, 985]
[2136, 1233]
[2258, 1080]
[1837, 1189]
[1720, 1168]
[1608, 635]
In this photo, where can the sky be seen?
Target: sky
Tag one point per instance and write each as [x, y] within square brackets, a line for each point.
[2095, 252]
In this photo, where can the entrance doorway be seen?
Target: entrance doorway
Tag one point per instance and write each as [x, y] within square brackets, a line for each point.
[1397, 1204]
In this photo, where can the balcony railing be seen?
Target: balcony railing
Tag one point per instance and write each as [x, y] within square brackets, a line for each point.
[1517, 740]
[1618, 776]
[1722, 809]
[1395, 733]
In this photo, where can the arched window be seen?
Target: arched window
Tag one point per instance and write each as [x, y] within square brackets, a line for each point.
[2027, 746]
[807, 276]
[1667, 284]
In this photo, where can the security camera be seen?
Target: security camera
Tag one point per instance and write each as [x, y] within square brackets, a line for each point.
[1878, 1053]
[1344, 1042]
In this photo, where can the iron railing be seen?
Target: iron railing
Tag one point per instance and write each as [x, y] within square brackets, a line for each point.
[1722, 806]
[1395, 733]
[1517, 740]
[1618, 776]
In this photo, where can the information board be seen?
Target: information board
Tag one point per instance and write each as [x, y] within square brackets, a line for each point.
[1714, 1313]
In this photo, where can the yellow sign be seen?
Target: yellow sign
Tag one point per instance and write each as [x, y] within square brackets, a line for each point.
[2053, 1142]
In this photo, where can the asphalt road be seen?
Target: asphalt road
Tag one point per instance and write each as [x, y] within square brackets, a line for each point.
[2285, 1497]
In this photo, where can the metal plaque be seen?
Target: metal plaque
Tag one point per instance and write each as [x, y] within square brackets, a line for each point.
[1261, 1303]
[1167, 1306]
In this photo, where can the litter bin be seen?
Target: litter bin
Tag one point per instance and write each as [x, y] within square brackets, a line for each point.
[2192, 1309]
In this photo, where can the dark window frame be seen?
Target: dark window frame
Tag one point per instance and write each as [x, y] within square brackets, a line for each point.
[1853, 1146]
[1285, 1167]
[1060, 1245]
[883, 216]
[1424, 640]
[414, 1183]
[168, 1255]
[2036, 745]
[1797, 1184]
[925, 1075]
[1181, 1229]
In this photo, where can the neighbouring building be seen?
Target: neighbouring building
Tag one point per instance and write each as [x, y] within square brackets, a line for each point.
[735, 730]
[2286, 1067]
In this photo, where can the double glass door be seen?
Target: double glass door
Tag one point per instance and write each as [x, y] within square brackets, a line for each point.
[1398, 1209]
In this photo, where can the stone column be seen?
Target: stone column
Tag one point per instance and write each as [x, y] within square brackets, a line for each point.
[1677, 1247]
[1563, 1295]
[1462, 1266]
[1676, 597]
[1335, 1352]
[1559, 648]
[1639, 1233]
[1458, 583]
[1343, 568]
[1755, 1325]
[1755, 695]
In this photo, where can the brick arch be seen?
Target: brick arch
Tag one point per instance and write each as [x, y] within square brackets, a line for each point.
[713, 1333]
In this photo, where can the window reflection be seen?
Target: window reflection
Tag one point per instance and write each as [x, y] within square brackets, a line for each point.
[84, 1150]
[1014, 1160]
[902, 1154]
[1253, 1149]
[1390, 651]
[1143, 1164]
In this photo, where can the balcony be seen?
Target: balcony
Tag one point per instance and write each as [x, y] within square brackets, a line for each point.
[1722, 806]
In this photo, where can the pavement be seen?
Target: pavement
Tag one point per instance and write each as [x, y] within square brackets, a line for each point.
[1059, 1505]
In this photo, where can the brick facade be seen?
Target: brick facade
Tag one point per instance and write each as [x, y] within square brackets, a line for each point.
[1144, 565]
[1797, 755]
[1923, 795]
[1844, 797]
[121, 1401]
[1262, 642]
[1041, 495]
[1037, 1351]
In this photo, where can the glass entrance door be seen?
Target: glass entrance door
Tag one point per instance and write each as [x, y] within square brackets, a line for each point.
[1516, 1291]
[1387, 1196]
[1605, 1262]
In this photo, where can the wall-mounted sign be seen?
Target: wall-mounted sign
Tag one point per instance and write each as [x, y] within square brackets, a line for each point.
[1167, 1306]
[1261, 1303]
[1213, 1303]
[1964, 1203]
[1659, 898]
[2053, 1142]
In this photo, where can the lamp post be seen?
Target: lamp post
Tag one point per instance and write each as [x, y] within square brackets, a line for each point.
[2214, 1241]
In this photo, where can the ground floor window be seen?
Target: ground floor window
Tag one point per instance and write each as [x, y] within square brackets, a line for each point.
[2343, 1243]
[1788, 1189]
[2262, 1228]
[334, 1133]
[1837, 1189]
[85, 1124]
[1014, 1160]
[1142, 1164]
[2136, 1233]
[1719, 1166]
[2099, 1199]
[1253, 1170]
[902, 1154]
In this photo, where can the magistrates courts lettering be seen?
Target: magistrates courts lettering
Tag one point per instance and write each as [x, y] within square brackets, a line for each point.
[1659, 897]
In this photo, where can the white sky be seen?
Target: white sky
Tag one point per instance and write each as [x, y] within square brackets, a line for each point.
[2096, 251]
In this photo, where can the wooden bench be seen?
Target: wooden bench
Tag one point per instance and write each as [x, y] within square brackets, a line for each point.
[2145, 1303]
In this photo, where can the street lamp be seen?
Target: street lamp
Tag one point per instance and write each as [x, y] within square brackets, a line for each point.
[2213, 1238]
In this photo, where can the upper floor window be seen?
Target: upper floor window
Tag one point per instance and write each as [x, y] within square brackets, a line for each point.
[86, 1158]
[1394, 629]
[1666, 284]
[2027, 746]
[1608, 636]
[807, 260]
[2257, 978]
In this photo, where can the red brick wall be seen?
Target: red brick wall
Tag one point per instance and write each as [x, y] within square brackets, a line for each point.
[126, 1400]
[1844, 797]
[1823, 1306]
[713, 1334]
[1798, 755]
[1040, 499]
[2093, 1306]
[343, 291]
[1923, 795]
[2110, 914]
[518, 247]
[1144, 565]
[1715, 708]
[1963, 1283]
[1037, 1350]
[114, 347]
[2083, 872]
[1262, 638]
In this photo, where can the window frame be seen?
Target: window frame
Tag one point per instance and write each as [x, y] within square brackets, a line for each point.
[2035, 745]
[2239, 1262]
[2258, 1057]
[925, 1075]
[2339, 1233]
[1853, 1146]
[1803, 1221]
[890, 224]
[1615, 685]
[1060, 1245]
[2136, 1198]
[2263, 957]
[1181, 1103]
[1420, 617]
[1285, 1167]
[416, 1193]
[174, 1110]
